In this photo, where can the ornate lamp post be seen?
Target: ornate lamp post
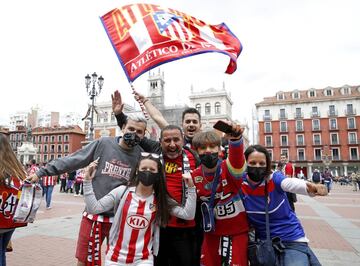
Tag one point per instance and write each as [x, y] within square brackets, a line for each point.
[93, 92]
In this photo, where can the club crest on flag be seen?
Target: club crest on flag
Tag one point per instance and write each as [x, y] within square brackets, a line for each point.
[172, 26]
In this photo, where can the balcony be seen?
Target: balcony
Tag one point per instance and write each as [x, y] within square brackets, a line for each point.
[350, 112]
[298, 115]
[267, 117]
[354, 157]
[332, 113]
[316, 128]
[283, 116]
[353, 141]
[315, 114]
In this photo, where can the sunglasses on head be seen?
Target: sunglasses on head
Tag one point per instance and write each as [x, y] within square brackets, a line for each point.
[148, 154]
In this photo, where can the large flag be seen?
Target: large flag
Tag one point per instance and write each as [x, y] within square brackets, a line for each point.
[145, 36]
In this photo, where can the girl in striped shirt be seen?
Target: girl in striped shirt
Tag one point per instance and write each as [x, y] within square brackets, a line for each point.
[141, 207]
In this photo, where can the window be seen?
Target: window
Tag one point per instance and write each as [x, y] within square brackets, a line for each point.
[112, 118]
[335, 154]
[353, 154]
[301, 154]
[296, 95]
[66, 138]
[207, 108]
[351, 123]
[45, 158]
[346, 90]
[46, 139]
[317, 139]
[52, 148]
[316, 124]
[298, 113]
[315, 111]
[283, 140]
[271, 154]
[106, 117]
[217, 108]
[352, 138]
[328, 92]
[39, 148]
[45, 148]
[59, 148]
[299, 125]
[66, 148]
[40, 139]
[282, 114]
[317, 154]
[283, 126]
[281, 96]
[52, 157]
[332, 110]
[300, 139]
[285, 152]
[59, 138]
[59, 156]
[198, 107]
[312, 93]
[267, 127]
[268, 141]
[333, 123]
[334, 138]
[98, 117]
[349, 109]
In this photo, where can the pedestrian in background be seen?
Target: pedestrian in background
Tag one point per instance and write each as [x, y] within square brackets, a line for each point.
[48, 186]
[11, 175]
[79, 182]
[63, 179]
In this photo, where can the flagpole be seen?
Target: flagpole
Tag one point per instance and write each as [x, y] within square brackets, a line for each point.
[142, 106]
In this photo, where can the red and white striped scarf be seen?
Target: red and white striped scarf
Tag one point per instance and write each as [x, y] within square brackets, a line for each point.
[94, 247]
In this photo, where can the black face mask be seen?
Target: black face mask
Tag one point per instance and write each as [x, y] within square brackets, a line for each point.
[256, 174]
[148, 178]
[131, 139]
[209, 160]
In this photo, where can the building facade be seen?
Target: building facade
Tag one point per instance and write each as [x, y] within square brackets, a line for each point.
[56, 142]
[317, 128]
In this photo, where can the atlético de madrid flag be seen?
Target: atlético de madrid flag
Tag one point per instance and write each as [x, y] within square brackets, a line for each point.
[145, 36]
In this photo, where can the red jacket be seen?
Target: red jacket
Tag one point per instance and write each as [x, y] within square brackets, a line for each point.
[9, 198]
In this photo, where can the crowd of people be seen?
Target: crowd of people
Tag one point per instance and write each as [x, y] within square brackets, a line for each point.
[176, 201]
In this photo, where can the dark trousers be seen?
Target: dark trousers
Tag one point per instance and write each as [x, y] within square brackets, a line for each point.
[78, 187]
[176, 247]
[63, 185]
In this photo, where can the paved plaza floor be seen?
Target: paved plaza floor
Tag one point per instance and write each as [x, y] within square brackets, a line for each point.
[331, 223]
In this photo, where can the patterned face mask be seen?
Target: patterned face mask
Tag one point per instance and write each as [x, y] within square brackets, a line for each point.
[131, 139]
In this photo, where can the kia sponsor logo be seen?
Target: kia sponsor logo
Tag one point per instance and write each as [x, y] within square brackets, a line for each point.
[137, 221]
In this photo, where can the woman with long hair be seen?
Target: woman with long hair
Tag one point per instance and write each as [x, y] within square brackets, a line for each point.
[141, 208]
[259, 182]
[11, 175]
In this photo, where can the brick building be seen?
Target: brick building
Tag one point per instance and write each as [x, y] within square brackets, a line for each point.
[56, 142]
[315, 127]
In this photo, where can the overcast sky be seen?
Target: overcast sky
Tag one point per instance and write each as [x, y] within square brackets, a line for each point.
[47, 48]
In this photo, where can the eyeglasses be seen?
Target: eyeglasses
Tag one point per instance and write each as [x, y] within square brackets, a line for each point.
[148, 154]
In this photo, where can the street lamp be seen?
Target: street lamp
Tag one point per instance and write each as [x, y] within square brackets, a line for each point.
[93, 92]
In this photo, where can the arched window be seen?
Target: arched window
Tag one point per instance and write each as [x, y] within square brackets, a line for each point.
[207, 108]
[217, 108]
[198, 107]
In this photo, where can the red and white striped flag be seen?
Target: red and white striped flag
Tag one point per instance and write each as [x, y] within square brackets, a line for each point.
[145, 36]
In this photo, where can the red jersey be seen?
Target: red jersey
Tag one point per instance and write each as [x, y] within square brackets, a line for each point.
[48, 181]
[230, 215]
[8, 202]
[289, 170]
[174, 184]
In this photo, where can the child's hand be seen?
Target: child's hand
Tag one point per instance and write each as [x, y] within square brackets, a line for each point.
[188, 179]
[90, 170]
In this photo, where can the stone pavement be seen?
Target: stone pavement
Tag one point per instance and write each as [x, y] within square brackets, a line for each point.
[331, 223]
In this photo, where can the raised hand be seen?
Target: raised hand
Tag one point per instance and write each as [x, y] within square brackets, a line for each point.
[90, 170]
[117, 104]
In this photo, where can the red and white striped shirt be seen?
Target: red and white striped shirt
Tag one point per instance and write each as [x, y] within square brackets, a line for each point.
[49, 181]
[133, 241]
